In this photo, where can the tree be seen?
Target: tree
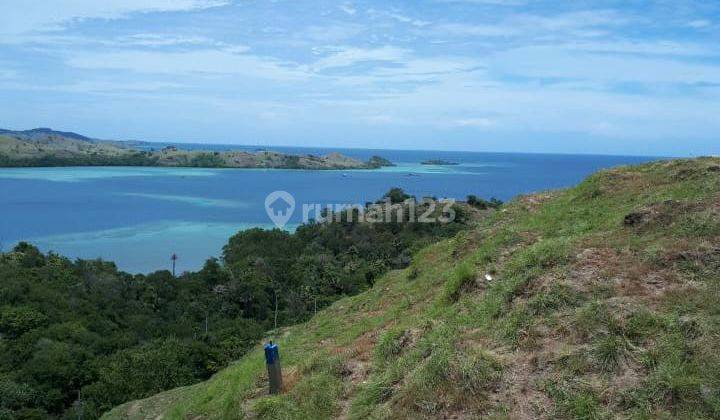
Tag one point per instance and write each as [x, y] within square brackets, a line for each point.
[17, 320]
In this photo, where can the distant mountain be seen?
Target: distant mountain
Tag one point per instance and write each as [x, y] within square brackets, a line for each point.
[43, 133]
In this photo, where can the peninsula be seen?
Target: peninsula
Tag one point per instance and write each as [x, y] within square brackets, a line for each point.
[44, 147]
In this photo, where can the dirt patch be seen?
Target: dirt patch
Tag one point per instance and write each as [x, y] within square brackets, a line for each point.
[518, 389]
[595, 267]
[630, 377]
[291, 377]
[627, 273]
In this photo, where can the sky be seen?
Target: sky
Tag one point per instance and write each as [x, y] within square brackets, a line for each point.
[609, 77]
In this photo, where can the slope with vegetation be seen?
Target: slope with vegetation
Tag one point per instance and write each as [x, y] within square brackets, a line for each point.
[78, 338]
[598, 301]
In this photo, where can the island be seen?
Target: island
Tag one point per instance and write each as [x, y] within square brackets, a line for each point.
[44, 147]
[439, 162]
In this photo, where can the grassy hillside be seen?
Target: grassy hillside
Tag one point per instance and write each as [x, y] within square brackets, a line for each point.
[61, 147]
[599, 301]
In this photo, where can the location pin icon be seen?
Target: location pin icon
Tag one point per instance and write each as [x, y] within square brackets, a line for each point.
[280, 206]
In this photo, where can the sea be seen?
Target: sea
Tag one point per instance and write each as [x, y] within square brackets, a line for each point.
[139, 217]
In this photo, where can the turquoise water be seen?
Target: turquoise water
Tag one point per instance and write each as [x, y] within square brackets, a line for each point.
[144, 247]
[138, 217]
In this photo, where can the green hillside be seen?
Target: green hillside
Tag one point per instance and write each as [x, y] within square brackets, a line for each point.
[598, 301]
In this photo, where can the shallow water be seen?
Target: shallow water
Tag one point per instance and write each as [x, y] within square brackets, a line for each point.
[138, 217]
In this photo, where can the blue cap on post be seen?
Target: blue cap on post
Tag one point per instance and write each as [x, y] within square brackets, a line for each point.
[271, 353]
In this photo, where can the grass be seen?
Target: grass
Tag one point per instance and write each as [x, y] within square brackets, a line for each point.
[585, 317]
[460, 277]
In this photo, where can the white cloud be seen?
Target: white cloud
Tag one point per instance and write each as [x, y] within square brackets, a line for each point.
[545, 109]
[406, 19]
[475, 122]
[699, 23]
[348, 8]
[572, 20]
[348, 56]
[329, 33]
[670, 48]
[461, 29]
[488, 2]
[427, 69]
[405, 75]
[101, 87]
[163, 40]
[205, 61]
[18, 17]
[560, 62]
[586, 24]
[396, 16]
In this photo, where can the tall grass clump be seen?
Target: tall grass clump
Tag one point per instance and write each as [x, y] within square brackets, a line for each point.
[461, 276]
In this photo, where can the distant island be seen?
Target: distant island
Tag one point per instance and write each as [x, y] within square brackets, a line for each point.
[44, 147]
[438, 162]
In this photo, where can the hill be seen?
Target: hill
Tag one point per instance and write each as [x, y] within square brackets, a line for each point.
[597, 301]
[46, 147]
[44, 133]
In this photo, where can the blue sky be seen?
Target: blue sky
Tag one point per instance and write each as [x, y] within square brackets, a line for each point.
[617, 77]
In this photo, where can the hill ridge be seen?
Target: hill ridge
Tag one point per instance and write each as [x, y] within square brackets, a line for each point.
[44, 131]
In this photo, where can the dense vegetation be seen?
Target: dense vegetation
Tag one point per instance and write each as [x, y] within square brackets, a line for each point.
[596, 302]
[138, 158]
[77, 338]
[185, 159]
